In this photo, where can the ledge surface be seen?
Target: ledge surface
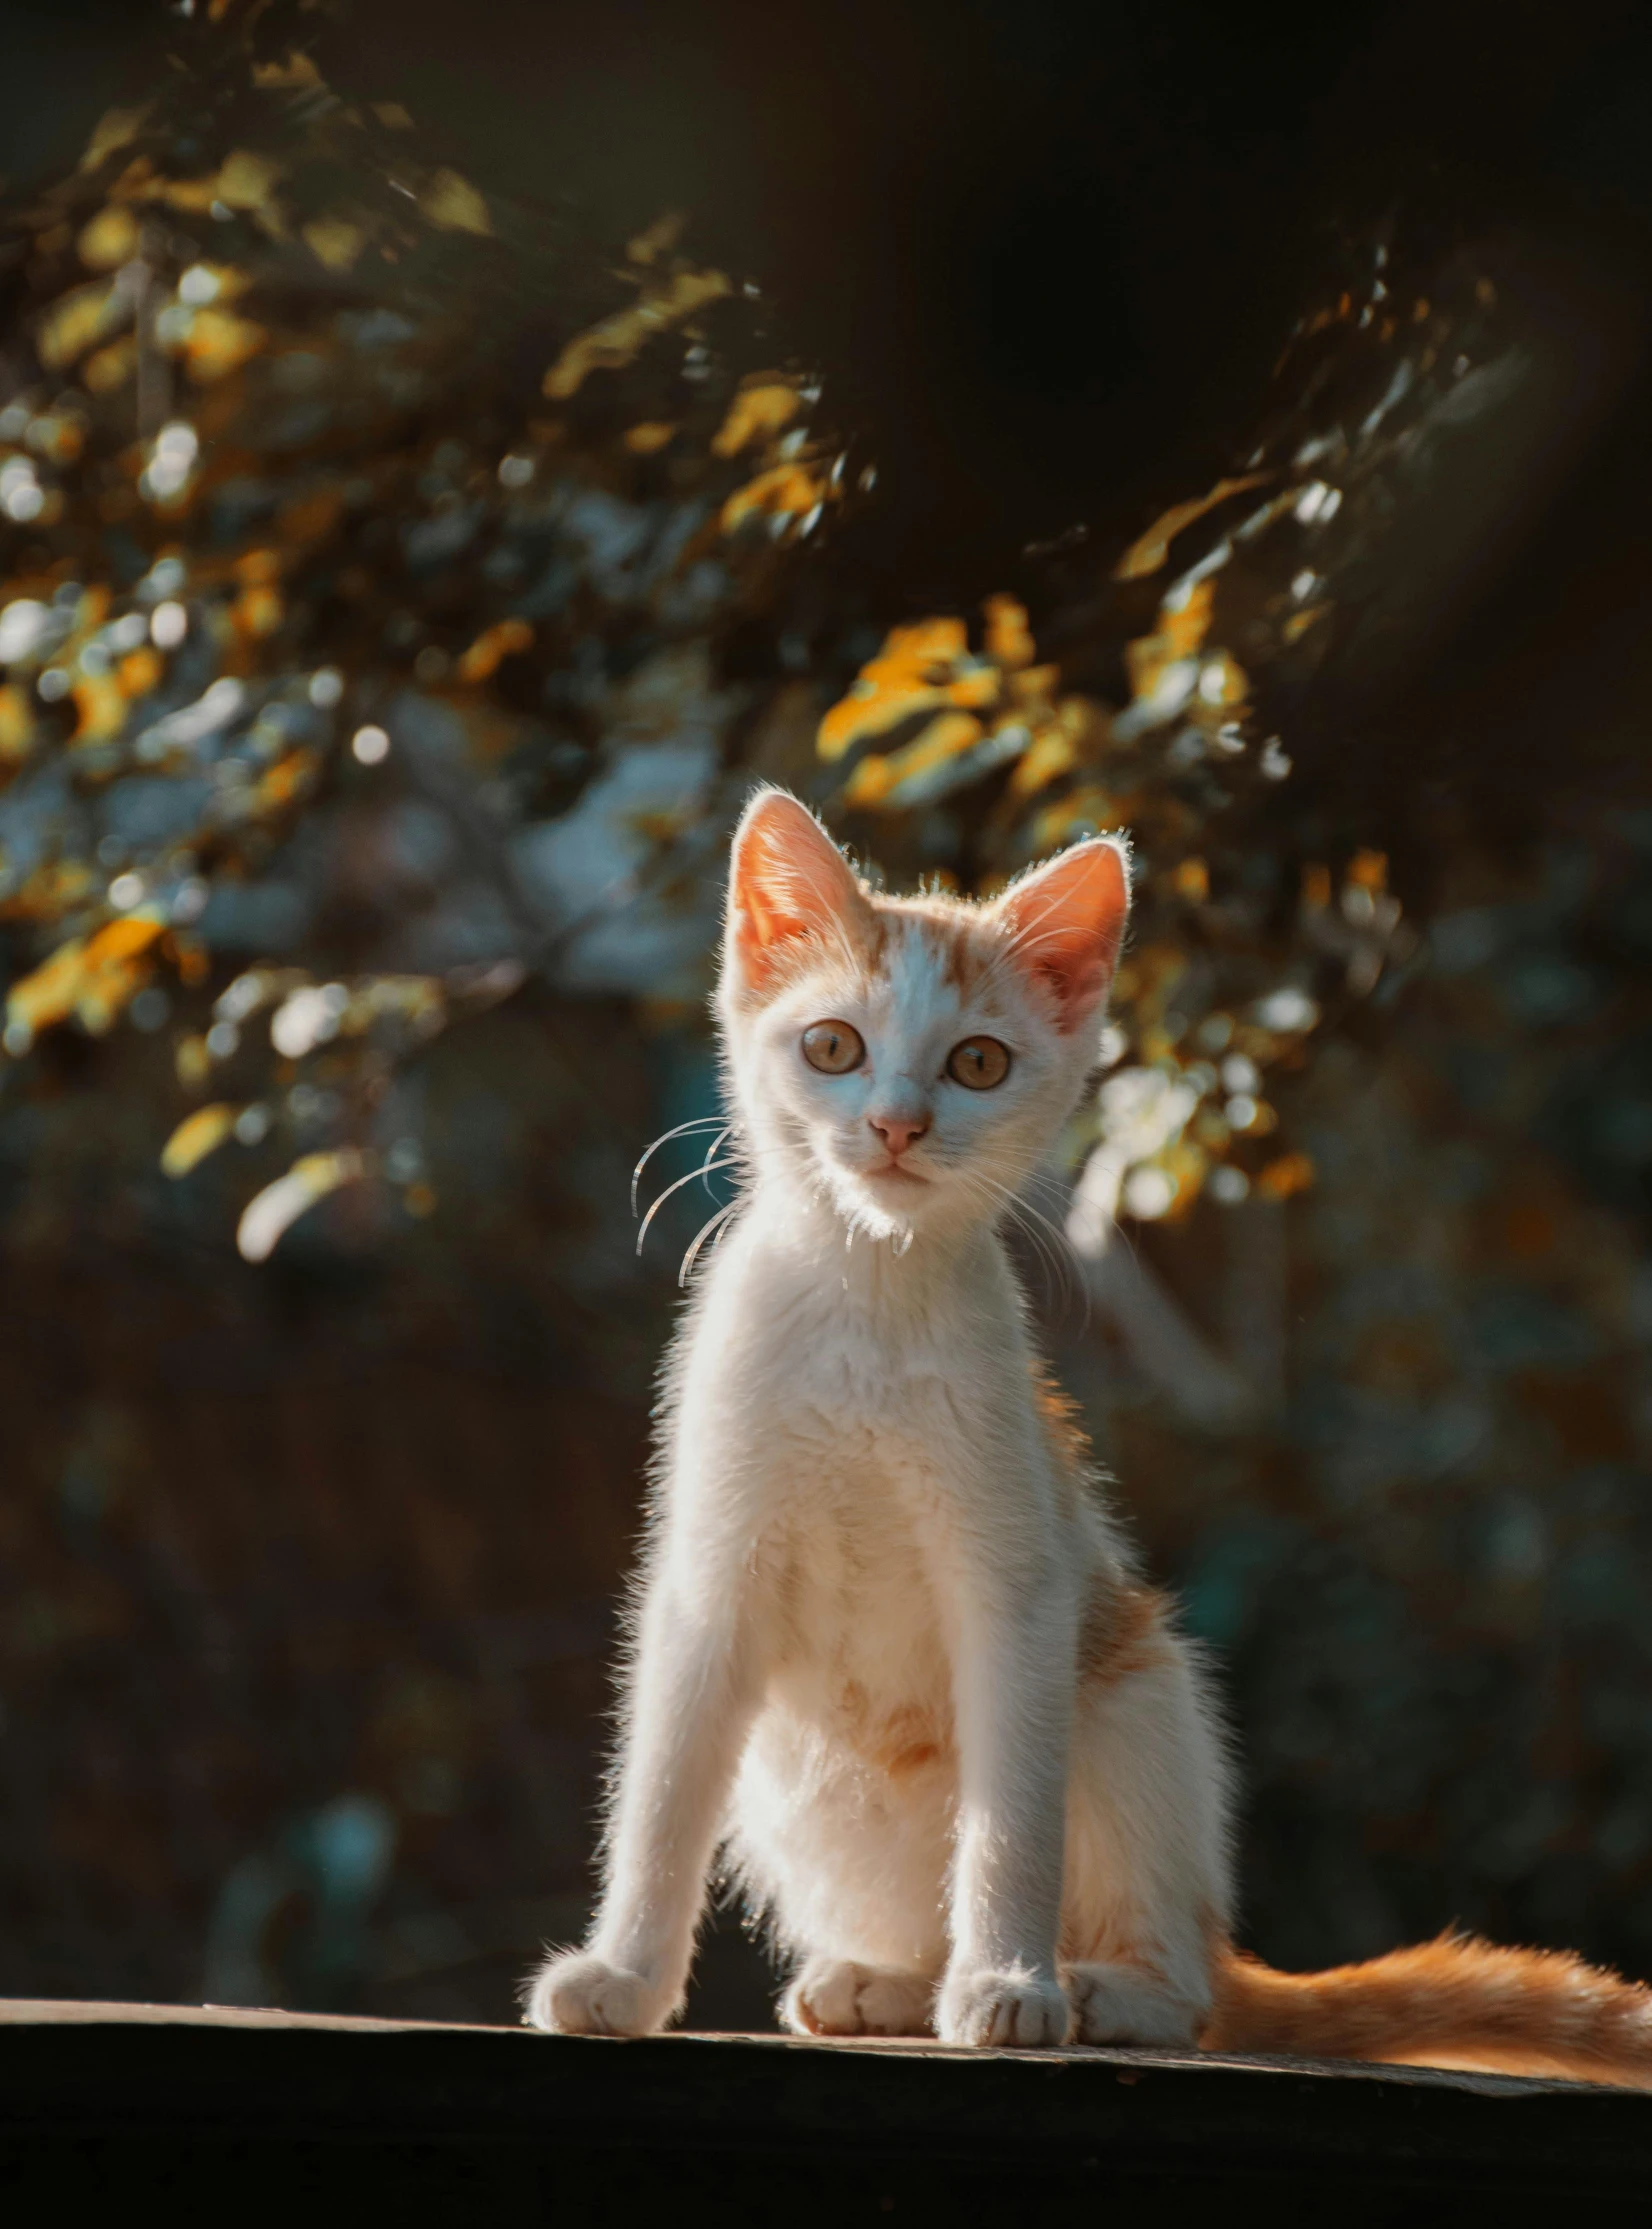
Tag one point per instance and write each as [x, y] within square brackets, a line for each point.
[262, 2112]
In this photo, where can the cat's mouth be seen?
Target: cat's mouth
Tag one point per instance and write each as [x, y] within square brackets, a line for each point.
[894, 1172]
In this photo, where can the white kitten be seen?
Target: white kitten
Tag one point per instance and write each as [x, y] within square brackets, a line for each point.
[890, 1654]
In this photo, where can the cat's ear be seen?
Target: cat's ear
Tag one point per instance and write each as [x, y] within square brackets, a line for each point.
[788, 883]
[1065, 924]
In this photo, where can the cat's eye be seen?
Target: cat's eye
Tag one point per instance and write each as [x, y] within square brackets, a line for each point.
[978, 1063]
[833, 1047]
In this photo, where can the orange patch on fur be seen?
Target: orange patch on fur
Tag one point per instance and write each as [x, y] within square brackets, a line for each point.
[1121, 1633]
[901, 1744]
[1063, 1421]
[966, 950]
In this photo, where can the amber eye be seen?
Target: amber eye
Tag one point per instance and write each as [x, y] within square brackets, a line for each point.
[833, 1047]
[978, 1063]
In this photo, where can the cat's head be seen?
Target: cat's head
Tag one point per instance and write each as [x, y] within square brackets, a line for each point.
[912, 1058]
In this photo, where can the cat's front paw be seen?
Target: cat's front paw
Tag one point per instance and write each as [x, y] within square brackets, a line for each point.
[836, 1997]
[578, 1994]
[1012, 2010]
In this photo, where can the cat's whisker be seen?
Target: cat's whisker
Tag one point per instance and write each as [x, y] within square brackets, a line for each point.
[1051, 1243]
[692, 1176]
[712, 1228]
[700, 1122]
[714, 1149]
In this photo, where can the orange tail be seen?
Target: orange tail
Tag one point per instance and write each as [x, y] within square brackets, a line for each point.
[1458, 2002]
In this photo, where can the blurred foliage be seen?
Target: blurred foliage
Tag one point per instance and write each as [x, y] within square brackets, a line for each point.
[359, 618]
[398, 593]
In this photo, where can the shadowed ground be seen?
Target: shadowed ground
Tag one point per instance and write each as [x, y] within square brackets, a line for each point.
[267, 2110]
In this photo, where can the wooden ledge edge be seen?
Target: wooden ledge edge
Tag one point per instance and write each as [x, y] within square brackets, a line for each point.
[75, 2012]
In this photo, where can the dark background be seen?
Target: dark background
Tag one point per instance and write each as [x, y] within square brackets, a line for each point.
[1039, 250]
[1044, 257]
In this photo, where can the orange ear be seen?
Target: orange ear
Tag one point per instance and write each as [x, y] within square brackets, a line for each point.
[1066, 923]
[788, 882]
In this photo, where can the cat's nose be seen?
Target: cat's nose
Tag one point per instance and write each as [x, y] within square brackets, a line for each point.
[898, 1131]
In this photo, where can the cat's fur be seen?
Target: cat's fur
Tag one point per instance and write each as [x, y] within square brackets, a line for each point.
[891, 1655]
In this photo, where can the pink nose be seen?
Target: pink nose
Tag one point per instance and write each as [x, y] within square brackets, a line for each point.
[898, 1131]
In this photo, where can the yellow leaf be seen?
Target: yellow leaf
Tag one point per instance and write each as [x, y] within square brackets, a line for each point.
[1033, 685]
[492, 647]
[645, 439]
[77, 319]
[139, 672]
[193, 1061]
[1300, 621]
[286, 779]
[919, 666]
[1009, 638]
[257, 611]
[785, 491]
[110, 366]
[1184, 622]
[871, 781]
[108, 239]
[757, 412]
[48, 994]
[334, 241]
[113, 968]
[298, 74]
[194, 196]
[119, 940]
[876, 781]
[115, 128]
[196, 1136]
[100, 702]
[1181, 629]
[453, 204]
[615, 340]
[92, 978]
[247, 181]
[1149, 551]
[218, 342]
[1051, 754]
[16, 723]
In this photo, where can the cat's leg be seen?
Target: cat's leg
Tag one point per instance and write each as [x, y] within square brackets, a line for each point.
[1147, 1894]
[1014, 1620]
[848, 1860]
[692, 1693]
